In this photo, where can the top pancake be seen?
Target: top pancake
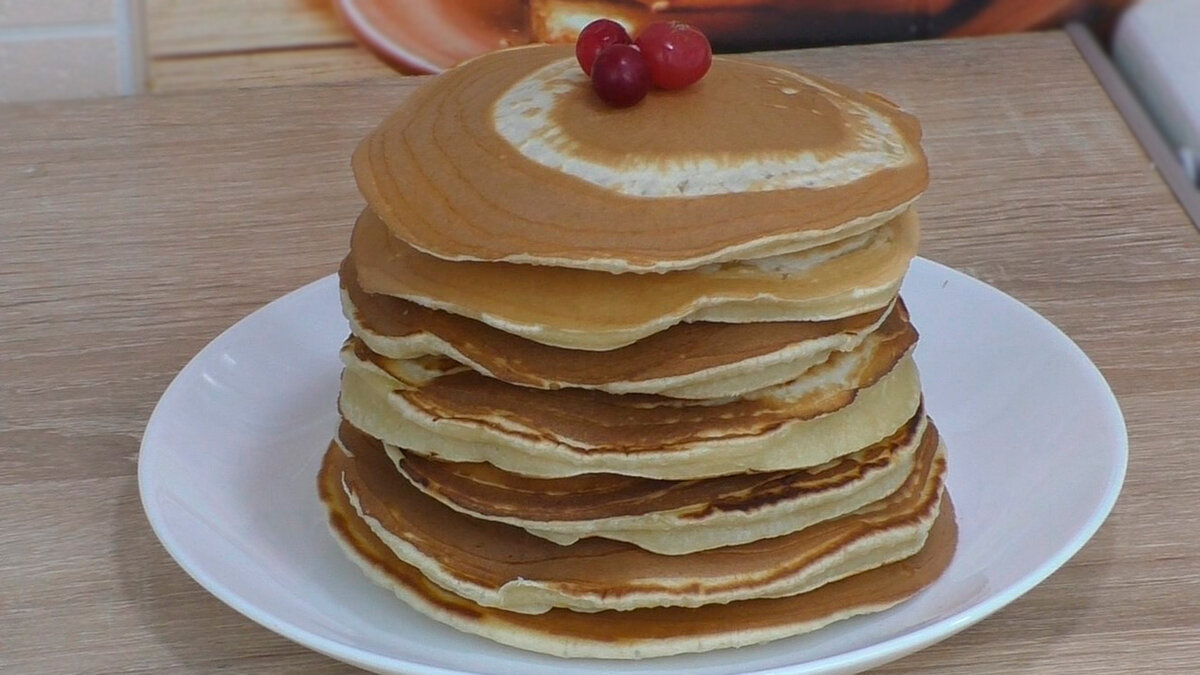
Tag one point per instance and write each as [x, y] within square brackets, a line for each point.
[511, 157]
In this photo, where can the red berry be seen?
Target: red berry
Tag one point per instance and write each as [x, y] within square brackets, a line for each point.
[620, 76]
[678, 55]
[595, 37]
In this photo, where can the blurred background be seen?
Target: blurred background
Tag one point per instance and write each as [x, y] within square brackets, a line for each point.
[73, 48]
[61, 49]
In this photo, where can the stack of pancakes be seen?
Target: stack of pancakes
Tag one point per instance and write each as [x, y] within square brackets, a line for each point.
[627, 383]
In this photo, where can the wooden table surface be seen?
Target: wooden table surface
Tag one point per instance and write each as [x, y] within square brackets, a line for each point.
[133, 231]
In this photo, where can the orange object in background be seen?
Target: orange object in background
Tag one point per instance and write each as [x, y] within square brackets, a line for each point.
[431, 35]
[1011, 16]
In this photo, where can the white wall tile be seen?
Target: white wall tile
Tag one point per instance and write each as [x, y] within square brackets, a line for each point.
[59, 68]
[49, 12]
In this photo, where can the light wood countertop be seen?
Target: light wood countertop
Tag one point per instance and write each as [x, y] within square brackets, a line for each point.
[133, 231]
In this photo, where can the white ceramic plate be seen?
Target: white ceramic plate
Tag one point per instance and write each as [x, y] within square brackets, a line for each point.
[229, 458]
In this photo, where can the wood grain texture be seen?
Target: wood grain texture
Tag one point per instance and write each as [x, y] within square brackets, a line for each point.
[133, 231]
[196, 45]
[317, 65]
[192, 27]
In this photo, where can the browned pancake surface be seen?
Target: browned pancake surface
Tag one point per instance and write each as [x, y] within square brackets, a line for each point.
[638, 422]
[877, 588]
[484, 489]
[679, 350]
[491, 554]
[587, 309]
[444, 179]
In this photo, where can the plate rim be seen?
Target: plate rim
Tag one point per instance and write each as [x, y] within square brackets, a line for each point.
[862, 657]
[393, 54]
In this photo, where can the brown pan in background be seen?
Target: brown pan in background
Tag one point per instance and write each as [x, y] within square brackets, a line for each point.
[428, 36]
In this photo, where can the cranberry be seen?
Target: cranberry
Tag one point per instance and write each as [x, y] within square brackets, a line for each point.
[620, 76]
[595, 37]
[678, 54]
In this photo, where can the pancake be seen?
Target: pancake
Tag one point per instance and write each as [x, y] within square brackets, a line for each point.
[497, 565]
[873, 413]
[689, 360]
[670, 517]
[510, 157]
[581, 309]
[642, 633]
[629, 383]
[851, 401]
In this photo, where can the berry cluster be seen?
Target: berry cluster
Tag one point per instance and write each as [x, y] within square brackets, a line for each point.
[667, 54]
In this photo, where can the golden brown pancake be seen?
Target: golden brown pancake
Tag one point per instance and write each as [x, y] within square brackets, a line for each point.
[511, 157]
[501, 566]
[582, 309]
[465, 416]
[670, 517]
[688, 360]
[623, 388]
[641, 633]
